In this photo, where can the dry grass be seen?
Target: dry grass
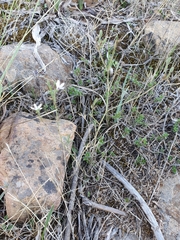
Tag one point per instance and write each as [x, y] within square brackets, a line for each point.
[129, 103]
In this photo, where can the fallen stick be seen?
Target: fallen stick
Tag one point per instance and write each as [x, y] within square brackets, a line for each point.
[92, 204]
[74, 183]
[152, 220]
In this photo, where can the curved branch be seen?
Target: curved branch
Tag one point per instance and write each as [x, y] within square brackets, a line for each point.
[152, 220]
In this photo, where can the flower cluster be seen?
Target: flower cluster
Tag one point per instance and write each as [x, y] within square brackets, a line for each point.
[37, 107]
[59, 86]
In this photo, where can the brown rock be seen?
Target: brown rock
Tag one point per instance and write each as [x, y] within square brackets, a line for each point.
[26, 69]
[166, 34]
[33, 157]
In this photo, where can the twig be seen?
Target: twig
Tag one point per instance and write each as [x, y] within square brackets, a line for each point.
[152, 220]
[37, 39]
[92, 204]
[86, 230]
[79, 226]
[74, 183]
[140, 64]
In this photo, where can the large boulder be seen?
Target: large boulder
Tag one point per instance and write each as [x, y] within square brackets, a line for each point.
[33, 156]
[25, 70]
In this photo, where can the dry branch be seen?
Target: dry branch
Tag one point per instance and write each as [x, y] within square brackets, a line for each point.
[152, 220]
[74, 182]
[92, 204]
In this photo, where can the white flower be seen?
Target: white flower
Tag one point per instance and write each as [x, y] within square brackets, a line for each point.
[59, 85]
[37, 108]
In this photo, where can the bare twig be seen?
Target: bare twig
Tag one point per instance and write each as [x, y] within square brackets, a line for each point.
[74, 183]
[152, 220]
[90, 203]
[79, 226]
[140, 64]
[86, 230]
[37, 39]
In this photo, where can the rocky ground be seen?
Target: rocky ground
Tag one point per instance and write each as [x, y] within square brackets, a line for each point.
[110, 67]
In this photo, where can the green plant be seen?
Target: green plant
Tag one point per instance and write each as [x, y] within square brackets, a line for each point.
[117, 116]
[159, 99]
[139, 120]
[74, 151]
[1, 91]
[57, 4]
[8, 227]
[77, 71]
[140, 161]
[110, 156]
[174, 169]
[80, 4]
[127, 200]
[87, 157]
[136, 82]
[176, 126]
[141, 142]
[124, 4]
[47, 221]
[52, 107]
[74, 91]
[151, 84]
[100, 142]
[178, 160]
[170, 158]
[2, 195]
[126, 131]
[164, 136]
[134, 110]
[52, 92]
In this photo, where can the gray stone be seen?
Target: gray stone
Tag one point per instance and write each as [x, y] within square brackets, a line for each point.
[169, 202]
[33, 156]
[164, 34]
[26, 70]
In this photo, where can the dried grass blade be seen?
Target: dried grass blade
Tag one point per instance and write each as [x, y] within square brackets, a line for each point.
[92, 204]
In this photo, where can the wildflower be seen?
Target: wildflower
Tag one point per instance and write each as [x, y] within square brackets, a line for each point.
[37, 108]
[59, 85]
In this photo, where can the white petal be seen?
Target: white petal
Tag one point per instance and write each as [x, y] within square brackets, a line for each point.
[40, 106]
[59, 85]
[35, 107]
